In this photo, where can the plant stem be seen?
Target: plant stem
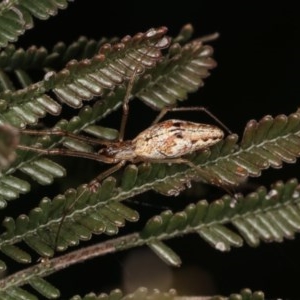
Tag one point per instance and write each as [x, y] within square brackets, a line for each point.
[48, 266]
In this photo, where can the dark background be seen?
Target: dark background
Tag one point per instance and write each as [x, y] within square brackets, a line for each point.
[257, 74]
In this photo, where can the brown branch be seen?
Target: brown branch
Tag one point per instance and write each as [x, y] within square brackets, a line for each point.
[48, 266]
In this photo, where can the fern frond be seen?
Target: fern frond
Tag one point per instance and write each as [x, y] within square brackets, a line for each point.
[85, 213]
[43, 170]
[40, 169]
[31, 112]
[17, 16]
[10, 189]
[40, 228]
[39, 58]
[179, 73]
[40, 285]
[13, 22]
[264, 215]
[83, 80]
[89, 78]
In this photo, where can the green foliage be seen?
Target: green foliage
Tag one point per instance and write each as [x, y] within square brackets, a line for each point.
[162, 71]
[267, 215]
[16, 16]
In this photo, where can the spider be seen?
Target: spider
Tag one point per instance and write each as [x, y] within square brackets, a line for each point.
[163, 142]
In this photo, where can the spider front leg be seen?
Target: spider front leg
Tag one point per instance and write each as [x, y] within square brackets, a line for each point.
[165, 110]
[64, 134]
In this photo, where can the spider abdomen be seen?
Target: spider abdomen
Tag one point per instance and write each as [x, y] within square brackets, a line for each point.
[174, 138]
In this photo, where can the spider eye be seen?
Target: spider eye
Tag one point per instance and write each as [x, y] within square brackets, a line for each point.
[177, 124]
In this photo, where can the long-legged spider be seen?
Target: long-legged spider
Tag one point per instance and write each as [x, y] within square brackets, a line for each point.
[163, 142]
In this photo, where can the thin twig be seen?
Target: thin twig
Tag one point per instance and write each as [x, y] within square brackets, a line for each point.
[48, 266]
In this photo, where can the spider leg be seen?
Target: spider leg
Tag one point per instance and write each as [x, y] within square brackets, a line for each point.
[94, 184]
[126, 105]
[139, 69]
[165, 110]
[67, 152]
[64, 133]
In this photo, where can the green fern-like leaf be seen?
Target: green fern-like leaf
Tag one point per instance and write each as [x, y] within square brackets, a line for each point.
[180, 73]
[264, 215]
[17, 16]
[40, 229]
[260, 216]
[39, 58]
[86, 79]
